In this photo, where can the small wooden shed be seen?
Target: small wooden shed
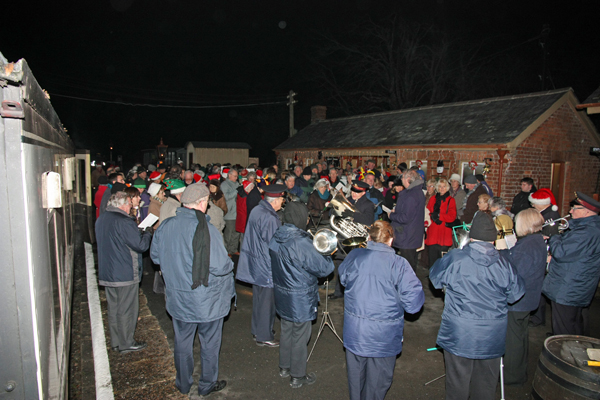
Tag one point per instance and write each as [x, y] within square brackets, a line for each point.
[217, 152]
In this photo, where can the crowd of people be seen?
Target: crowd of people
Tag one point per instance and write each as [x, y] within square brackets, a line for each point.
[203, 219]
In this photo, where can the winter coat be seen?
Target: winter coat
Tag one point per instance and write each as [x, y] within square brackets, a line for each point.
[229, 189]
[254, 265]
[219, 201]
[241, 218]
[216, 216]
[375, 197]
[316, 205]
[296, 265]
[521, 201]
[168, 209]
[98, 198]
[145, 198]
[172, 249]
[528, 257]
[380, 287]
[253, 199]
[574, 270]
[155, 206]
[120, 248]
[366, 211]
[442, 209]
[548, 213]
[479, 284]
[471, 207]
[459, 199]
[408, 219]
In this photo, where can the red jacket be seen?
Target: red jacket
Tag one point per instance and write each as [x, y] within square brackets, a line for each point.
[441, 234]
[98, 198]
[241, 215]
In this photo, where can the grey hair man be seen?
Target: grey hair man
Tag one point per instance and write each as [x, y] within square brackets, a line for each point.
[199, 287]
[120, 248]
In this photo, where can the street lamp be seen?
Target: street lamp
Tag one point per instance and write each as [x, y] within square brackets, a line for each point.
[162, 152]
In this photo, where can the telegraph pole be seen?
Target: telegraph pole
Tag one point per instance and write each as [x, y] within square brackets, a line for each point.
[291, 106]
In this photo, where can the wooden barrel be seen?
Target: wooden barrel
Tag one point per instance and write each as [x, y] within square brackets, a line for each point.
[562, 372]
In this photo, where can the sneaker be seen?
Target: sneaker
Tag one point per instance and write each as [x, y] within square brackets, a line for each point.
[284, 372]
[268, 343]
[137, 346]
[309, 379]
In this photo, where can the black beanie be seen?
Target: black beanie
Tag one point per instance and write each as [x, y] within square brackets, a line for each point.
[307, 171]
[117, 187]
[296, 213]
[483, 228]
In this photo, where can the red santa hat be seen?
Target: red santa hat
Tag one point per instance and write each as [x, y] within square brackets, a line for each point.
[197, 178]
[155, 175]
[543, 196]
[259, 173]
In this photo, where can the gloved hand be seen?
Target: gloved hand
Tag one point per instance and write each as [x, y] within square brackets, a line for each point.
[435, 216]
[149, 230]
[347, 214]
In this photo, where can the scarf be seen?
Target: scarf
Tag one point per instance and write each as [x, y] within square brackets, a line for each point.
[201, 249]
[323, 196]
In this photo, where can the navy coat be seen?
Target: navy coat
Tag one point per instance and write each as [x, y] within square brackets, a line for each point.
[380, 287]
[172, 249]
[120, 248]
[574, 270]
[479, 285]
[296, 265]
[528, 257]
[365, 210]
[408, 219]
[254, 265]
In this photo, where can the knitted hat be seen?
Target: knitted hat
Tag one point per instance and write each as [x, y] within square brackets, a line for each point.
[483, 228]
[151, 168]
[117, 187]
[543, 196]
[307, 171]
[194, 193]
[454, 177]
[139, 183]
[175, 185]
[154, 189]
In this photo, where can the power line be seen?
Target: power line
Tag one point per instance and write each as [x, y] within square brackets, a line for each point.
[167, 105]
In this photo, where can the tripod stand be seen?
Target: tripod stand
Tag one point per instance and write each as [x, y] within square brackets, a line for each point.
[325, 320]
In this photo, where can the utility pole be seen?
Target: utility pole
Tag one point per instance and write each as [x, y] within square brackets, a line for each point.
[291, 106]
[543, 39]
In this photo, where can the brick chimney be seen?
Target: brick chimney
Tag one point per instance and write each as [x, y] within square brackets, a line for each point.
[318, 113]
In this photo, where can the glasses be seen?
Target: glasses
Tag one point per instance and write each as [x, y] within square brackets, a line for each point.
[577, 208]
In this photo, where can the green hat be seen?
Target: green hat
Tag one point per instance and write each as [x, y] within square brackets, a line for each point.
[175, 185]
[139, 183]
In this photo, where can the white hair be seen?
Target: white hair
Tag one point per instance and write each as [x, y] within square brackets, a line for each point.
[118, 199]
[195, 203]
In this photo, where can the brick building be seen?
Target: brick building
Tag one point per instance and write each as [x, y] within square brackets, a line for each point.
[540, 135]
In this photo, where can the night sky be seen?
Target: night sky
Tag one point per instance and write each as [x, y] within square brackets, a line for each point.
[215, 54]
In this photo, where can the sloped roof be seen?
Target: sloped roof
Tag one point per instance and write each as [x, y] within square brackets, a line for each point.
[491, 121]
[219, 145]
[594, 98]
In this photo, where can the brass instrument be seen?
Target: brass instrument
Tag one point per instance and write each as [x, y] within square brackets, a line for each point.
[355, 242]
[348, 228]
[564, 225]
[325, 241]
[340, 203]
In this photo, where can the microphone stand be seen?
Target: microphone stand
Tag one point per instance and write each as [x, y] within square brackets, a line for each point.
[325, 320]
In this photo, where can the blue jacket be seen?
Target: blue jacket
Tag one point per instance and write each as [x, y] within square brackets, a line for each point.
[172, 249]
[145, 197]
[408, 219]
[254, 265]
[296, 265]
[528, 257]
[574, 270]
[380, 287]
[120, 248]
[479, 285]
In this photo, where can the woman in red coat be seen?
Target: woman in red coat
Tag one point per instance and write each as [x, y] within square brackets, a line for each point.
[442, 210]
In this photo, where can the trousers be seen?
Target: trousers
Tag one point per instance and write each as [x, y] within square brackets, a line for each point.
[210, 334]
[466, 376]
[369, 378]
[263, 313]
[293, 349]
[231, 237]
[123, 307]
[517, 348]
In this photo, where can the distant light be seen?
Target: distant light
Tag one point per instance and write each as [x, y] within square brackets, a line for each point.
[282, 24]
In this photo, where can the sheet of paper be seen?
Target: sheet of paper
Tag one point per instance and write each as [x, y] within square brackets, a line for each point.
[148, 221]
[384, 208]
[339, 186]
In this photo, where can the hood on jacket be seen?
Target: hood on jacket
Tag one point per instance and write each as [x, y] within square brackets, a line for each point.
[288, 232]
[416, 182]
[482, 253]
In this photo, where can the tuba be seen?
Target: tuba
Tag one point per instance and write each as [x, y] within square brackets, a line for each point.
[339, 203]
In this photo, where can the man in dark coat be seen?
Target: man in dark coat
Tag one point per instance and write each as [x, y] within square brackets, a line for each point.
[374, 195]
[296, 266]
[408, 218]
[198, 295]
[365, 209]
[474, 190]
[573, 272]
[120, 248]
[479, 285]
[254, 265]
[521, 200]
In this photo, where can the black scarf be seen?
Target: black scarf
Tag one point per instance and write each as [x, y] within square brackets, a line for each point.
[439, 199]
[201, 249]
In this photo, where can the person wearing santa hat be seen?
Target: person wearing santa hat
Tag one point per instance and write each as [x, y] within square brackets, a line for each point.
[543, 200]
[573, 272]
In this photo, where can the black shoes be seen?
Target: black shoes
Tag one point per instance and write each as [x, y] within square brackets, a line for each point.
[309, 379]
[334, 297]
[116, 348]
[284, 372]
[137, 346]
[220, 385]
